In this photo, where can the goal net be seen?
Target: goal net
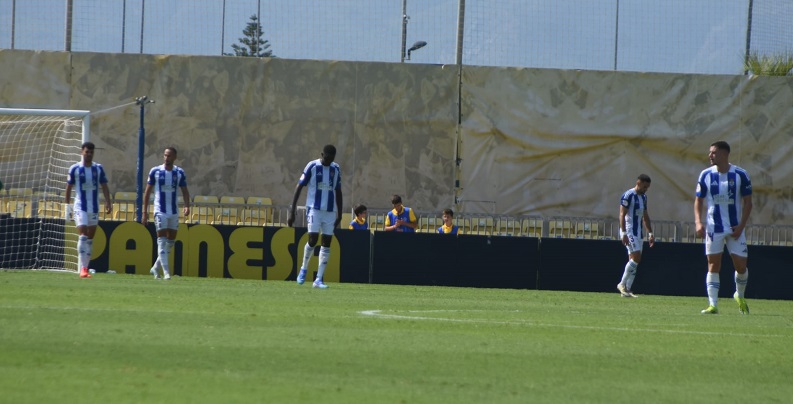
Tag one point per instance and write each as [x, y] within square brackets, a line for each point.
[37, 147]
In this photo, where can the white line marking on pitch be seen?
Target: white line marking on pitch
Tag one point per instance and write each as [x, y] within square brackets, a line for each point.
[380, 314]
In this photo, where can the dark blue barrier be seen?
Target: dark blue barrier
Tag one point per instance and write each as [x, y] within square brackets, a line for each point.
[410, 259]
[469, 261]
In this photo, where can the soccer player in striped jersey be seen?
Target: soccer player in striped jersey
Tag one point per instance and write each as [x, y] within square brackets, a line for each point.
[359, 223]
[448, 223]
[634, 217]
[323, 209]
[728, 192]
[164, 180]
[86, 177]
[401, 218]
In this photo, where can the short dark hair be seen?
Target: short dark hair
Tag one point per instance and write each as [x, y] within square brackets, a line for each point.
[721, 145]
[644, 178]
[329, 149]
[359, 209]
[173, 149]
[449, 212]
[87, 145]
[396, 199]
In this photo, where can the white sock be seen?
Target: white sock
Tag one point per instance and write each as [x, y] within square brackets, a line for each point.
[308, 251]
[162, 252]
[168, 247]
[82, 246]
[89, 250]
[324, 253]
[712, 283]
[629, 274]
[740, 282]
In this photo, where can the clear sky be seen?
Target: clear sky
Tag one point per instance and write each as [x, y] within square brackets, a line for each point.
[683, 36]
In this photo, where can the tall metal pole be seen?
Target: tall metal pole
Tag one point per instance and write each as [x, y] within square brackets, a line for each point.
[748, 37]
[142, 17]
[13, 21]
[616, 34]
[404, 29]
[141, 101]
[69, 7]
[460, 31]
[123, 24]
[223, 29]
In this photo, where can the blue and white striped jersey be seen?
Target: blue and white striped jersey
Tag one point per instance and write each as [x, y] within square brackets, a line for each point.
[86, 182]
[723, 192]
[636, 205]
[322, 183]
[166, 183]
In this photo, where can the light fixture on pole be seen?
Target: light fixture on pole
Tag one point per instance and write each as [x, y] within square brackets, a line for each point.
[417, 45]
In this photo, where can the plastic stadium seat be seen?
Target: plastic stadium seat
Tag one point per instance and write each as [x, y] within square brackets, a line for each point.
[531, 227]
[229, 210]
[124, 211]
[50, 209]
[124, 196]
[560, 228]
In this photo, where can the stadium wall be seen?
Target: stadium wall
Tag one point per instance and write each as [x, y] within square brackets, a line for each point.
[271, 253]
[528, 141]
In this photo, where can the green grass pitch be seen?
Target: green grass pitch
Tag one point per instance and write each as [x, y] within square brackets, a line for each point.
[131, 339]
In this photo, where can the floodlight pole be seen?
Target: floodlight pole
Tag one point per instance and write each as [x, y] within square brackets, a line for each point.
[404, 28]
[140, 101]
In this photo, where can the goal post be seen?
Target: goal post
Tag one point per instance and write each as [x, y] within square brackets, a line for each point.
[37, 147]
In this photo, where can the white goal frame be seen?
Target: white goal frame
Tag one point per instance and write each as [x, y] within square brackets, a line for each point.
[33, 241]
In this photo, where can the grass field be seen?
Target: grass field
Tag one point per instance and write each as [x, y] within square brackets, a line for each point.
[131, 339]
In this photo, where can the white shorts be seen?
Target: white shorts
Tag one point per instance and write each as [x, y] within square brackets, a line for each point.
[164, 221]
[83, 218]
[715, 242]
[320, 221]
[635, 244]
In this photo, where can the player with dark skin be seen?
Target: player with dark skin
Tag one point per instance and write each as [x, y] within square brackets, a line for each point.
[327, 158]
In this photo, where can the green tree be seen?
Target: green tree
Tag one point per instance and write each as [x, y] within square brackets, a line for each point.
[252, 44]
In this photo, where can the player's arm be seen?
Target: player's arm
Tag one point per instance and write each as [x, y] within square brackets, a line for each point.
[68, 194]
[623, 229]
[108, 202]
[388, 225]
[412, 222]
[648, 225]
[339, 204]
[698, 217]
[746, 209]
[186, 198]
[293, 210]
[144, 217]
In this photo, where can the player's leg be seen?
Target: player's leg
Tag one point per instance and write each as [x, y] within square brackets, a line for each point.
[165, 240]
[634, 248]
[714, 247]
[313, 224]
[324, 255]
[81, 221]
[327, 225]
[740, 253]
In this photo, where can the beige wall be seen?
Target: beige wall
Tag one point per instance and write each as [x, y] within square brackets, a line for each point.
[545, 142]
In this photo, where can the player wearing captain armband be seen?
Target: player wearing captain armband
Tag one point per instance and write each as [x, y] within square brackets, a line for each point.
[164, 180]
[86, 177]
[323, 210]
[728, 192]
[634, 217]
